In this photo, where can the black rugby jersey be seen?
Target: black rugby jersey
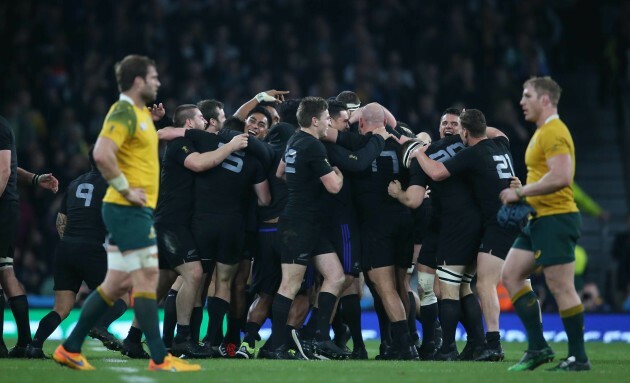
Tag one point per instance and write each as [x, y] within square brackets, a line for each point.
[82, 206]
[306, 162]
[225, 188]
[175, 201]
[487, 166]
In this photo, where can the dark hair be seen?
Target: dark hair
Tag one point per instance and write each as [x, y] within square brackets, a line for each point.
[545, 85]
[210, 109]
[310, 107]
[234, 123]
[183, 113]
[453, 111]
[335, 107]
[288, 111]
[267, 103]
[474, 121]
[262, 110]
[348, 97]
[131, 67]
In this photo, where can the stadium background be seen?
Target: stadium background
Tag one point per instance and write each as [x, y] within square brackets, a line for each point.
[415, 57]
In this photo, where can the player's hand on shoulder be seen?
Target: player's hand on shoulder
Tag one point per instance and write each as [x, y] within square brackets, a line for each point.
[239, 142]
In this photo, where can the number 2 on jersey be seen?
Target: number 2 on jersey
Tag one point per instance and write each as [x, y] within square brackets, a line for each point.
[289, 159]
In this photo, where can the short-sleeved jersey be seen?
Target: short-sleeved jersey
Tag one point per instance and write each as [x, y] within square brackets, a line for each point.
[551, 139]
[488, 168]
[306, 162]
[82, 207]
[175, 204]
[226, 188]
[132, 130]
[451, 197]
[370, 185]
[7, 142]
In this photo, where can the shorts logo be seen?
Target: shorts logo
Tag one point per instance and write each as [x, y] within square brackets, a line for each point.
[303, 257]
[151, 233]
[537, 254]
[185, 149]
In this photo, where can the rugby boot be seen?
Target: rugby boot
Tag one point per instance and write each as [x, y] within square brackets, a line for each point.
[133, 350]
[107, 338]
[570, 364]
[532, 359]
[173, 364]
[35, 352]
[73, 360]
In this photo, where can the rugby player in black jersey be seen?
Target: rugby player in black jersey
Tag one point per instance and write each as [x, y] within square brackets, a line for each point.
[386, 237]
[220, 198]
[451, 247]
[176, 246]
[80, 257]
[342, 228]
[309, 176]
[10, 175]
[486, 164]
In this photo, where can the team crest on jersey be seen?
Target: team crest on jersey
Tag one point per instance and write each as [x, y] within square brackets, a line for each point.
[353, 157]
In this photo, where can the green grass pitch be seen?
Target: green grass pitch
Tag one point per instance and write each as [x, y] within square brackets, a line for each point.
[611, 364]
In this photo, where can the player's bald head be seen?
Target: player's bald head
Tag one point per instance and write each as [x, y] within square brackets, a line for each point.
[373, 115]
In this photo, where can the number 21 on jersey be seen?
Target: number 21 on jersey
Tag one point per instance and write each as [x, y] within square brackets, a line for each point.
[504, 166]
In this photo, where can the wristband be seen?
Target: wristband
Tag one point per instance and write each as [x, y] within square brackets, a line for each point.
[519, 192]
[264, 96]
[35, 179]
[119, 183]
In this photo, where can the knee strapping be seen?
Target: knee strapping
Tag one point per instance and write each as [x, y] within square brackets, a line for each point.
[425, 280]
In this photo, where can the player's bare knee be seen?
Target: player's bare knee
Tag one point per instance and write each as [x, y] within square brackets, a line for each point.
[194, 275]
[63, 309]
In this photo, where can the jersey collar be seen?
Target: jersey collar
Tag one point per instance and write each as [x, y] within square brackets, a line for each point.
[124, 97]
[552, 117]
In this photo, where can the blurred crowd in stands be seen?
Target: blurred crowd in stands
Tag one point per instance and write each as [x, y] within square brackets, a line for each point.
[415, 57]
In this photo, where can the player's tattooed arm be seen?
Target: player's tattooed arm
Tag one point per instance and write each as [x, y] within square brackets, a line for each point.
[62, 219]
